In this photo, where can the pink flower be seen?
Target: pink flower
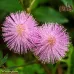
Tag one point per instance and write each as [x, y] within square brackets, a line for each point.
[20, 32]
[53, 44]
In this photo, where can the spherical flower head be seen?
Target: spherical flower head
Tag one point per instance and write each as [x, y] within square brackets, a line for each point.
[20, 32]
[53, 44]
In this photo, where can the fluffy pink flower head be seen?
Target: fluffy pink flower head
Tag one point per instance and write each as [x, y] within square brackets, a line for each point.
[53, 44]
[20, 31]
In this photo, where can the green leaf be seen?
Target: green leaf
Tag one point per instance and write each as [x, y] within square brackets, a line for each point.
[10, 63]
[17, 61]
[10, 5]
[3, 60]
[23, 67]
[20, 61]
[47, 14]
[34, 68]
[68, 2]
[72, 61]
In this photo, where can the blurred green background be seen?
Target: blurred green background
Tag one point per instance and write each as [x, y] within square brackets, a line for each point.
[60, 11]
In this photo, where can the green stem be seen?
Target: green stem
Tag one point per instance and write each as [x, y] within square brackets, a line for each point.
[13, 67]
[30, 7]
[46, 69]
[55, 68]
[69, 59]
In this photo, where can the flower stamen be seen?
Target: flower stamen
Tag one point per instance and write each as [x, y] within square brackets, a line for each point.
[20, 29]
[51, 41]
